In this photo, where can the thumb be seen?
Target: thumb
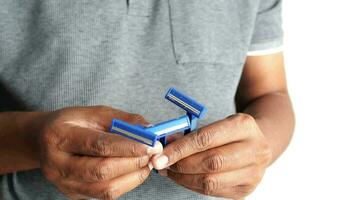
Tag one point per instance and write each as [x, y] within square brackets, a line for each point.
[103, 116]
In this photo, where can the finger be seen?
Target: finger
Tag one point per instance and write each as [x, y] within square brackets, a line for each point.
[109, 189]
[214, 135]
[92, 142]
[235, 192]
[213, 182]
[220, 159]
[96, 169]
[101, 116]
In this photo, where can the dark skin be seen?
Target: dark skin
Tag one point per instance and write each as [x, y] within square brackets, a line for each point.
[75, 152]
[226, 158]
[229, 157]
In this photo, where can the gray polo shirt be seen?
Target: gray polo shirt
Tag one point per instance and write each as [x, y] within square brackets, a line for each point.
[126, 54]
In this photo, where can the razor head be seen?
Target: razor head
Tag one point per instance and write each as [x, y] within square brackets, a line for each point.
[186, 103]
[149, 135]
[133, 132]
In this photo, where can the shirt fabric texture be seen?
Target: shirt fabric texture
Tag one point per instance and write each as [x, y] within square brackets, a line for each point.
[126, 54]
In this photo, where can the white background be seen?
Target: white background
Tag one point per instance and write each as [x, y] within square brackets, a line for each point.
[320, 52]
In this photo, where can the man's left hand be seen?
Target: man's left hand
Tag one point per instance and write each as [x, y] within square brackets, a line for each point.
[225, 159]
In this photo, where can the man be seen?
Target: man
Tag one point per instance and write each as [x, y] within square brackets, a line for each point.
[59, 59]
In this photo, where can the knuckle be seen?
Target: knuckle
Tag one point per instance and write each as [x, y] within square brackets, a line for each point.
[136, 118]
[101, 172]
[100, 148]
[214, 163]
[243, 123]
[108, 194]
[141, 162]
[233, 118]
[209, 184]
[178, 167]
[244, 118]
[141, 177]
[102, 110]
[178, 151]
[136, 149]
[203, 138]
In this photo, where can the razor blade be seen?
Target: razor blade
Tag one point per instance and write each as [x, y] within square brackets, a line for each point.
[149, 135]
[133, 132]
[159, 132]
[186, 103]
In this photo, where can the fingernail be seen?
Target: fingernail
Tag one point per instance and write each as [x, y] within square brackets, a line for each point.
[150, 166]
[161, 162]
[163, 172]
[158, 148]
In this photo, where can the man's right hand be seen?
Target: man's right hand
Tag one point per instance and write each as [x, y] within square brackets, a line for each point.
[83, 160]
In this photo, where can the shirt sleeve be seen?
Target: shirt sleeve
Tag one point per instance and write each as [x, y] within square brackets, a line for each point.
[268, 34]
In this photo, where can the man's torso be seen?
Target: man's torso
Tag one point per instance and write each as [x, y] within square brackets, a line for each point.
[55, 54]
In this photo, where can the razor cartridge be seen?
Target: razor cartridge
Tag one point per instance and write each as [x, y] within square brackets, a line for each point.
[133, 132]
[159, 132]
[186, 103]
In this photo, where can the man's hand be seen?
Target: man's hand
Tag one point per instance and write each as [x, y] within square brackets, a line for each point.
[83, 160]
[225, 159]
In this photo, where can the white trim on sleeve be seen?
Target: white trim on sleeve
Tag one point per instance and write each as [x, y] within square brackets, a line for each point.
[265, 51]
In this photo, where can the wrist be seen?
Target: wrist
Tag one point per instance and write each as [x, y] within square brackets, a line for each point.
[33, 123]
[19, 149]
[271, 141]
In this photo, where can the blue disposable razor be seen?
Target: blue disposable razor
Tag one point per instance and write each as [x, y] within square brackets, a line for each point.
[159, 132]
[188, 104]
